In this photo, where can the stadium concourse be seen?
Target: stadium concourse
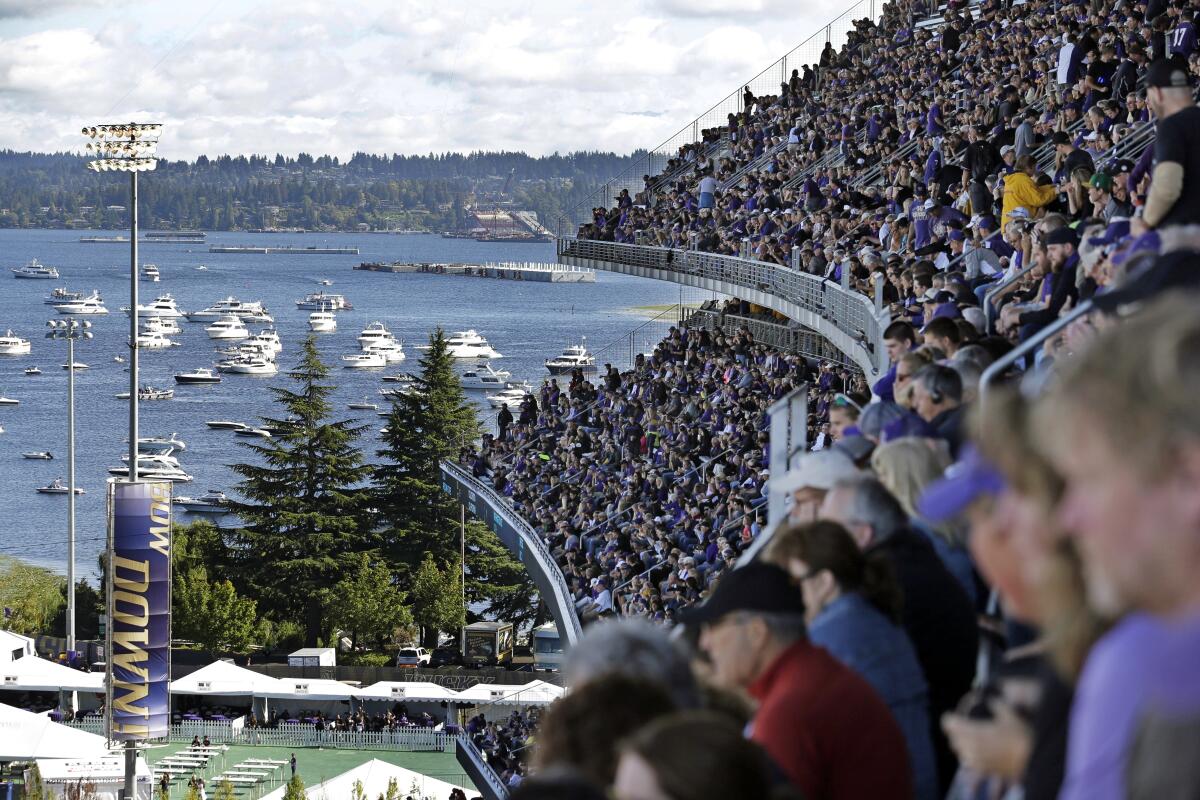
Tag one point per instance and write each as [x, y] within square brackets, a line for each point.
[984, 583]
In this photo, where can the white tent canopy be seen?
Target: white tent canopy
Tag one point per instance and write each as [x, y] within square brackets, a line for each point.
[33, 674]
[534, 693]
[14, 646]
[226, 680]
[374, 776]
[25, 736]
[406, 691]
[308, 689]
[106, 774]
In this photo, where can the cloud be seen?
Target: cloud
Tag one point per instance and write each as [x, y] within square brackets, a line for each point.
[719, 8]
[42, 8]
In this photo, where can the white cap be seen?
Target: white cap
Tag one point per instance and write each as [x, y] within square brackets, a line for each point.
[819, 470]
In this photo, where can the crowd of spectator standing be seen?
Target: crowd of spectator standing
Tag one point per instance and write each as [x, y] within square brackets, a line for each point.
[965, 600]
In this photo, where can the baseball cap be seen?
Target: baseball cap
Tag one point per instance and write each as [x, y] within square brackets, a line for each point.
[819, 470]
[1168, 73]
[1020, 212]
[1061, 137]
[877, 416]
[758, 586]
[1117, 230]
[965, 481]
[1006, 149]
[1101, 181]
[856, 448]
[1063, 235]
[956, 235]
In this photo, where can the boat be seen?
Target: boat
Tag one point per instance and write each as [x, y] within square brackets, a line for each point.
[322, 322]
[92, 304]
[267, 340]
[8, 401]
[154, 341]
[152, 473]
[247, 366]
[157, 460]
[261, 433]
[163, 306]
[62, 294]
[484, 377]
[202, 268]
[400, 377]
[224, 425]
[375, 332]
[230, 305]
[469, 344]
[229, 326]
[391, 350]
[325, 282]
[365, 405]
[211, 502]
[13, 345]
[76, 365]
[150, 273]
[320, 301]
[58, 487]
[392, 394]
[367, 360]
[574, 357]
[34, 269]
[165, 325]
[148, 393]
[32, 371]
[512, 396]
[39, 455]
[198, 376]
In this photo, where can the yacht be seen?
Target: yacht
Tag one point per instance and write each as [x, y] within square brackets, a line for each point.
[322, 322]
[198, 376]
[402, 377]
[39, 455]
[320, 301]
[161, 445]
[575, 357]
[36, 270]
[224, 425]
[268, 340]
[365, 405]
[13, 345]
[484, 377]
[8, 401]
[32, 371]
[57, 487]
[163, 306]
[92, 304]
[153, 460]
[165, 325]
[150, 273]
[365, 360]
[221, 308]
[512, 396]
[469, 344]
[148, 393]
[227, 327]
[375, 332]
[76, 365]
[211, 502]
[62, 295]
[154, 473]
[248, 366]
[154, 341]
[261, 433]
[391, 350]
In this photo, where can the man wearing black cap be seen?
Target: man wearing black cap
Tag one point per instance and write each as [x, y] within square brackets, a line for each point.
[1174, 197]
[821, 723]
[1061, 244]
[1070, 157]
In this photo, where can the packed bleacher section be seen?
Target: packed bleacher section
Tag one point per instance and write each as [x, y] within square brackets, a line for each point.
[978, 590]
[506, 743]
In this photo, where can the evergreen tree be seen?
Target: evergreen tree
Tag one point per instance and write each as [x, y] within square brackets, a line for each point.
[303, 508]
[294, 790]
[437, 600]
[426, 426]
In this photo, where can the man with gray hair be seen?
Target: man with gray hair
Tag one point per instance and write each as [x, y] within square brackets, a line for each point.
[936, 612]
[636, 648]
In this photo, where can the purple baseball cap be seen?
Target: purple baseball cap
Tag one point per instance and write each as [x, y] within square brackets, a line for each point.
[968, 479]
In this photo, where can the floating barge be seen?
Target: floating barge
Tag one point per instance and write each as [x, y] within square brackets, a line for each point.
[319, 251]
[546, 273]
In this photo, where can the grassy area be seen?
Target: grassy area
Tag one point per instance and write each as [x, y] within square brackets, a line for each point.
[316, 764]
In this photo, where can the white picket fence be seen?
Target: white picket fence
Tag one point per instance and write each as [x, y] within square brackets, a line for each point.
[299, 735]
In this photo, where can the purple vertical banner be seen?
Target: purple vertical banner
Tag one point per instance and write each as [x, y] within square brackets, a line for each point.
[139, 608]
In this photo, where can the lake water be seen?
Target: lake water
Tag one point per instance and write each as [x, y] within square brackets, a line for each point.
[527, 322]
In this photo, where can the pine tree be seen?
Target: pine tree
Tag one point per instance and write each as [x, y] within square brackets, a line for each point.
[304, 511]
[426, 426]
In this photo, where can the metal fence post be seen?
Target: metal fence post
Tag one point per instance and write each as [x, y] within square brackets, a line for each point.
[878, 296]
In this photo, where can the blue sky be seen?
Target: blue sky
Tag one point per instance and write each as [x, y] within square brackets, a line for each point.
[266, 76]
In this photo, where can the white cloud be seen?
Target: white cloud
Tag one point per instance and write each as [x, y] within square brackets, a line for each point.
[387, 76]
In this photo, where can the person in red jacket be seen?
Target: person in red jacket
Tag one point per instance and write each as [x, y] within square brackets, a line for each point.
[824, 726]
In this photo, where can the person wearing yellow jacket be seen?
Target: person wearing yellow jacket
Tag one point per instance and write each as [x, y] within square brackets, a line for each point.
[1021, 191]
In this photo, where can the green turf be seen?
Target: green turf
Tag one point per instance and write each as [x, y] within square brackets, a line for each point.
[316, 764]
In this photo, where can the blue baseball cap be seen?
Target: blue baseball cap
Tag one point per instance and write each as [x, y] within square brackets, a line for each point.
[1117, 230]
[955, 235]
[968, 479]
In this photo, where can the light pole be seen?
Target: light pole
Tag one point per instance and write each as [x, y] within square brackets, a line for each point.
[127, 148]
[70, 329]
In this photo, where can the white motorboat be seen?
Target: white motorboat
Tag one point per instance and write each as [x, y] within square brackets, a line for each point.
[62, 294]
[32, 371]
[155, 341]
[365, 405]
[227, 327]
[261, 433]
[8, 401]
[119, 359]
[161, 445]
[469, 344]
[151, 473]
[76, 365]
[39, 455]
[153, 460]
[322, 322]
[373, 333]
[325, 282]
[13, 345]
[391, 350]
[35, 269]
[58, 487]
[92, 304]
[150, 273]
[230, 305]
[392, 394]
[247, 366]
[148, 393]
[224, 425]
[164, 325]
[320, 301]
[198, 376]
[211, 502]
[400, 377]
[163, 306]
[574, 357]
[512, 396]
[366, 360]
[485, 377]
[268, 340]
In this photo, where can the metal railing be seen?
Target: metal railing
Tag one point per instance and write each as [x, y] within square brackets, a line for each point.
[486, 781]
[777, 335]
[844, 317]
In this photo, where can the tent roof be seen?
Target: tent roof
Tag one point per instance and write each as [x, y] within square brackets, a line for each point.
[10, 641]
[374, 776]
[405, 690]
[223, 678]
[308, 689]
[108, 768]
[25, 736]
[33, 674]
[534, 693]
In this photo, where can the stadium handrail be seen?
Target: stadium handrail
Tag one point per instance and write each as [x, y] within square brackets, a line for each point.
[486, 781]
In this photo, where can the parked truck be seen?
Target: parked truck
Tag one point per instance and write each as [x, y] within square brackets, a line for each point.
[487, 644]
[547, 647]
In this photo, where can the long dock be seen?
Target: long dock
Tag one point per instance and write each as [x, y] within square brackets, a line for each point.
[321, 251]
[524, 271]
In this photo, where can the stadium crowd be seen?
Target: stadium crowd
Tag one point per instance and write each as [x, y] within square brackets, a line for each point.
[967, 599]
